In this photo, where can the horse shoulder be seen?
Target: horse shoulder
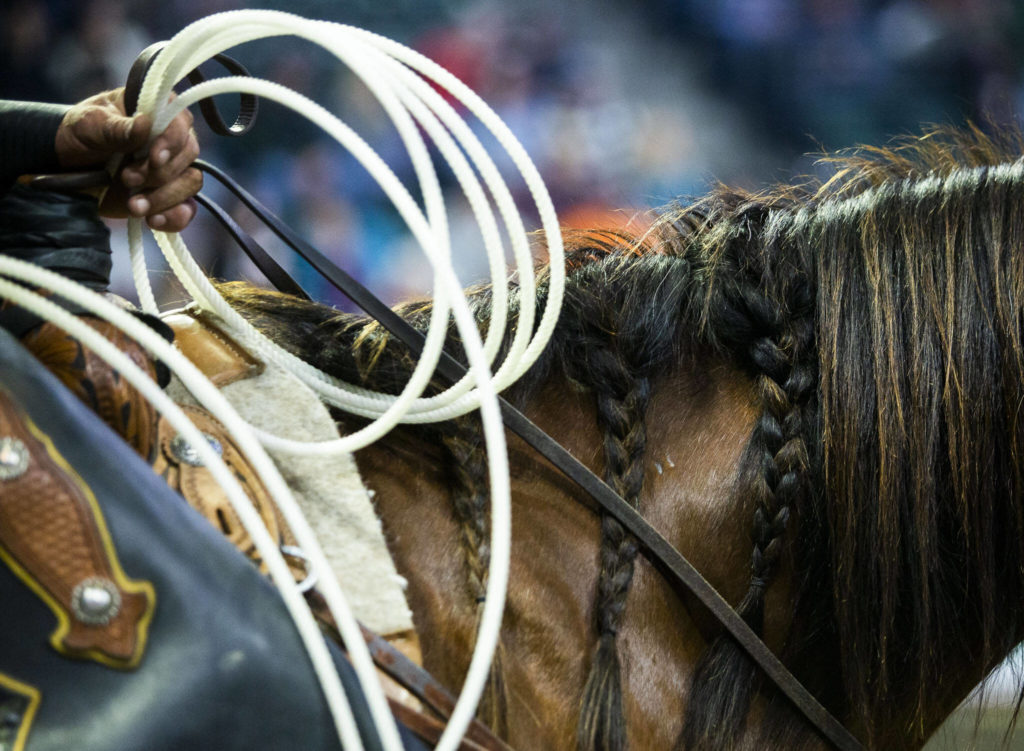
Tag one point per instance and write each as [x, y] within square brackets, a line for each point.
[698, 425]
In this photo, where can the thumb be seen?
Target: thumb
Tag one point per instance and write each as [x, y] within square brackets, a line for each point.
[126, 134]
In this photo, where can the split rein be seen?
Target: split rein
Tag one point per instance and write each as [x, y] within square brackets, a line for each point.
[659, 551]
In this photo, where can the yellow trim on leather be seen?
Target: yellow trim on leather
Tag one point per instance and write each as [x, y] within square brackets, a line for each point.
[141, 586]
[33, 696]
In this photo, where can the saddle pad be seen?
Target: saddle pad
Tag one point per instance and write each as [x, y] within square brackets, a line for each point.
[328, 488]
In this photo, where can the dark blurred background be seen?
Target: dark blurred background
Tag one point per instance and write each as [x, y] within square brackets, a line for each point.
[624, 104]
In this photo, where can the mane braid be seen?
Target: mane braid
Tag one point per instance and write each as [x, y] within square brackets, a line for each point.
[467, 462]
[767, 309]
[622, 400]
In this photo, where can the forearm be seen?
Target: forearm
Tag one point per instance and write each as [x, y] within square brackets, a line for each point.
[27, 135]
[60, 232]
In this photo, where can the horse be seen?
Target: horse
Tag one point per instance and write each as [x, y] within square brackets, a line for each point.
[812, 391]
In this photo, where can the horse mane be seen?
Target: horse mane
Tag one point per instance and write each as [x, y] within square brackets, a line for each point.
[879, 316]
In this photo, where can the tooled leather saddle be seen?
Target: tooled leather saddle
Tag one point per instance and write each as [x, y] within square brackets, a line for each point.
[130, 621]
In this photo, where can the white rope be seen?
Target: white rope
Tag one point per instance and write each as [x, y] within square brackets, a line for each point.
[397, 77]
[370, 406]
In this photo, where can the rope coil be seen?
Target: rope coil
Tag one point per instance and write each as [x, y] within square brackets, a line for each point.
[398, 77]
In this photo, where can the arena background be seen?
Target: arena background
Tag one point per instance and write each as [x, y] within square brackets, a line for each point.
[624, 104]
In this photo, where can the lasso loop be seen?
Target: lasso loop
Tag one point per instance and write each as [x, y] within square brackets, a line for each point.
[403, 82]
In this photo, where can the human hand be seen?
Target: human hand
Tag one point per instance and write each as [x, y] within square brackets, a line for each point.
[158, 185]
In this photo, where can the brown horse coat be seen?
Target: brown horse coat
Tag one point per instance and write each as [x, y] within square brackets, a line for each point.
[813, 392]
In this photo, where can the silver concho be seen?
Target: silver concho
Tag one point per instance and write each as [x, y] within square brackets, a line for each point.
[14, 458]
[95, 601]
[184, 452]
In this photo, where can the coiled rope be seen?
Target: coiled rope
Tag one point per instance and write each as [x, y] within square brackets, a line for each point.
[398, 77]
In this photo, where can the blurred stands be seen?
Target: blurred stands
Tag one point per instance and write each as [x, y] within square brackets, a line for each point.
[624, 105]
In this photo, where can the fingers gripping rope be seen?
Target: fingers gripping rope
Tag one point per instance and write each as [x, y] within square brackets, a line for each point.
[398, 77]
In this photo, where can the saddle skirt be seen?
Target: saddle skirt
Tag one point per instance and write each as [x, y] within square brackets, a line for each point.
[163, 618]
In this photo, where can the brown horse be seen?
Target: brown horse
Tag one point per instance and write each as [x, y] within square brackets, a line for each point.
[813, 392]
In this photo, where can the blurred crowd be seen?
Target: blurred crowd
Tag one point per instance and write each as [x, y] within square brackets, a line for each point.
[848, 71]
[623, 104]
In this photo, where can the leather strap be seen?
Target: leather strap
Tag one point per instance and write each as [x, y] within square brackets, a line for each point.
[248, 105]
[416, 680]
[271, 269]
[426, 727]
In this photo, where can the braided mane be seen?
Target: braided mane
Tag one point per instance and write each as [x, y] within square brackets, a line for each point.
[879, 316]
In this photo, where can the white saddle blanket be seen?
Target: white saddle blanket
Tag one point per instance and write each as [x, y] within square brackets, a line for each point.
[329, 491]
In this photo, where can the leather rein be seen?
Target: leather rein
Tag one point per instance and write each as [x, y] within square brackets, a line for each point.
[673, 565]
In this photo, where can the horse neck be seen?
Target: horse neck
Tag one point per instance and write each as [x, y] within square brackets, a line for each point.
[698, 423]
